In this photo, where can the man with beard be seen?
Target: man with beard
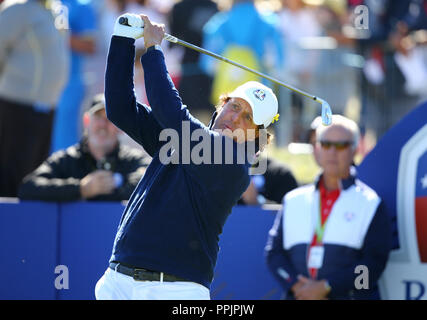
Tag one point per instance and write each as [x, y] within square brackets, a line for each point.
[96, 168]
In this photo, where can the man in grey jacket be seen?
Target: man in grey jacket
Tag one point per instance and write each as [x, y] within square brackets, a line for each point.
[33, 70]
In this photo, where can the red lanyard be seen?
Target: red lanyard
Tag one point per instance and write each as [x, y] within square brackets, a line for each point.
[326, 202]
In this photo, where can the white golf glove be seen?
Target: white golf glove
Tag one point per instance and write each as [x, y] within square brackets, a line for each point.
[135, 29]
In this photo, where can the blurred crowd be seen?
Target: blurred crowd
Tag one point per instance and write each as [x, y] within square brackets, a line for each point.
[367, 58]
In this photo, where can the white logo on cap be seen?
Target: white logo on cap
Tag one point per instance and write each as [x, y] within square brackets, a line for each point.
[259, 94]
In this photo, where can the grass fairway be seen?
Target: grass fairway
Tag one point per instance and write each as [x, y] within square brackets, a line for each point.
[302, 165]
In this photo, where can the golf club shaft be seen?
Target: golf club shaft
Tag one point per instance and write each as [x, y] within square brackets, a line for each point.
[173, 39]
[234, 63]
[326, 110]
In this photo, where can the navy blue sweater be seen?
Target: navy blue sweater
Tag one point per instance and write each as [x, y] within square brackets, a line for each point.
[175, 215]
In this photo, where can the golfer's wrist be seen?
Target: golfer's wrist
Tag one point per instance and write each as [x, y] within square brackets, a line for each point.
[153, 46]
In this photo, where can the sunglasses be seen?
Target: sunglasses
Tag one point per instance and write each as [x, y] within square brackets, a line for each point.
[339, 145]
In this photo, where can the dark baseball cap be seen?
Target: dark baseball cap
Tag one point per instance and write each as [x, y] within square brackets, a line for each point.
[98, 103]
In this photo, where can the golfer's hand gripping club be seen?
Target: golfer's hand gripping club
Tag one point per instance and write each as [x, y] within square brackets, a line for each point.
[128, 21]
[125, 22]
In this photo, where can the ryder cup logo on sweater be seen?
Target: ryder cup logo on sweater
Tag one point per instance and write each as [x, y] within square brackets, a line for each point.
[259, 94]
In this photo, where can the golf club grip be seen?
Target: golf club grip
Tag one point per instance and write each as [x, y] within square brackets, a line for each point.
[124, 21]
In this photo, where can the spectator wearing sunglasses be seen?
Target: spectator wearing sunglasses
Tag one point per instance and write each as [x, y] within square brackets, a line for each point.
[325, 230]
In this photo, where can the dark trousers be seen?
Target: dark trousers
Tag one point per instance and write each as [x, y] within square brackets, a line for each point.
[24, 143]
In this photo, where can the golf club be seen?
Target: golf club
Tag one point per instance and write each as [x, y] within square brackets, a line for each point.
[326, 109]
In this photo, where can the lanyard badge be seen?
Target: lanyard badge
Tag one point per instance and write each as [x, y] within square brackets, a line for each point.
[315, 257]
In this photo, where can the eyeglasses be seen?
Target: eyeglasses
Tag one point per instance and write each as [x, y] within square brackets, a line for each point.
[339, 145]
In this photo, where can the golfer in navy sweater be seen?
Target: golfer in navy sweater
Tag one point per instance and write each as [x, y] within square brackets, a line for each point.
[167, 240]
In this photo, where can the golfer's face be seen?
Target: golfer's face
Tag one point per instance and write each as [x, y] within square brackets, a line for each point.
[235, 120]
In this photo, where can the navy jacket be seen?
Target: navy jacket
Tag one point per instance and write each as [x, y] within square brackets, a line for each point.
[175, 215]
[357, 232]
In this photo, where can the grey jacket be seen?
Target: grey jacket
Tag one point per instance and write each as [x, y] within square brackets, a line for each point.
[34, 54]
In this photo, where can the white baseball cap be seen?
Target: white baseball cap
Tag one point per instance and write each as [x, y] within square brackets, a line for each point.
[262, 101]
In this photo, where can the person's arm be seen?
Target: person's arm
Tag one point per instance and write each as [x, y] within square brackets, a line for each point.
[121, 106]
[162, 95]
[131, 181]
[11, 27]
[58, 179]
[46, 184]
[132, 169]
[171, 114]
[277, 259]
[375, 251]
[250, 196]
[164, 99]
[310, 289]
[83, 26]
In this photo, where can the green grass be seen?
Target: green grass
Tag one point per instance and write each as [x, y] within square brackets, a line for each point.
[302, 166]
